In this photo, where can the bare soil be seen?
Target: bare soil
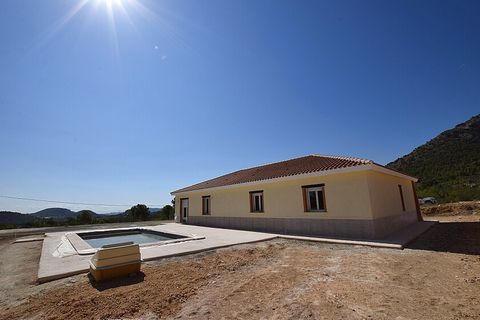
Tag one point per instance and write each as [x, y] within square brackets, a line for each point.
[462, 209]
[437, 277]
[18, 277]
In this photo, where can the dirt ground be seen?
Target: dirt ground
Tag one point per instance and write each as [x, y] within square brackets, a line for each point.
[462, 209]
[17, 279]
[437, 277]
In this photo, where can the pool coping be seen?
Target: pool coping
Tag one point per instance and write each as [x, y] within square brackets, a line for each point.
[83, 248]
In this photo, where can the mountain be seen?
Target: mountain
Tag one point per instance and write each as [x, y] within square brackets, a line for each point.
[113, 213]
[60, 216]
[55, 213]
[15, 218]
[448, 166]
[122, 213]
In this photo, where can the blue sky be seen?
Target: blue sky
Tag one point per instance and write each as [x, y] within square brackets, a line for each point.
[121, 102]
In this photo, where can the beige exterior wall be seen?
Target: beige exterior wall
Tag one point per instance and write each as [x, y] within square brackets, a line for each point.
[385, 196]
[347, 196]
[361, 203]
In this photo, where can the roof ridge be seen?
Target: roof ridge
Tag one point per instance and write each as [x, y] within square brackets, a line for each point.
[309, 155]
[290, 167]
[270, 163]
[365, 160]
[248, 168]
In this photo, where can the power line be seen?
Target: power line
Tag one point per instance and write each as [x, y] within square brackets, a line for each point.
[75, 203]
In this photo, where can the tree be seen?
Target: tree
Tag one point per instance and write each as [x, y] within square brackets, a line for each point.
[138, 213]
[168, 212]
[85, 217]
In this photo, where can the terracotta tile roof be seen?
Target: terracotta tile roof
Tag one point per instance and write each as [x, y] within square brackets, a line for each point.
[302, 165]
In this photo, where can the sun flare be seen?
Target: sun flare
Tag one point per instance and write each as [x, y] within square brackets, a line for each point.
[111, 13]
[112, 2]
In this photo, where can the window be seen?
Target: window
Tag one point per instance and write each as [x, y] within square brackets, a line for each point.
[314, 198]
[206, 205]
[401, 196]
[256, 201]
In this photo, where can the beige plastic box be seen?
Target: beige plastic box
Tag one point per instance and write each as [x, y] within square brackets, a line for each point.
[116, 260]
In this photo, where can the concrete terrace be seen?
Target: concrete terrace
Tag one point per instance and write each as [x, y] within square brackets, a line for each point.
[59, 259]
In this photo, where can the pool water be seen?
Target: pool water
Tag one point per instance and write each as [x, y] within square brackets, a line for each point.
[97, 240]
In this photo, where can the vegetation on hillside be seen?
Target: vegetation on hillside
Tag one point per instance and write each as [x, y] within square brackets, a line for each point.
[448, 166]
[140, 212]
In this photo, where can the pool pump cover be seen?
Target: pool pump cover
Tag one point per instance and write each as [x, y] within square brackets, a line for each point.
[116, 260]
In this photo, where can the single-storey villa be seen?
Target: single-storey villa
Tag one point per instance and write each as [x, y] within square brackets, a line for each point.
[312, 195]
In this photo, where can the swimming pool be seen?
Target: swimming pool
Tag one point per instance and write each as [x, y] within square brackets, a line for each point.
[137, 236]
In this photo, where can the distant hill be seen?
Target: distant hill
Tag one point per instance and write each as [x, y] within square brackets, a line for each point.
[448, 166]
[113, 213]
[55, 213]
[61, 216]
[122, 213]
[15, 218]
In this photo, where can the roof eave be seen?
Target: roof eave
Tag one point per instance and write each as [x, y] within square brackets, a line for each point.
[362, 167]
[379, 168]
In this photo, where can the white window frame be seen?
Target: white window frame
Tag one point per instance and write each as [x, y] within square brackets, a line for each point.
[317, 191]
[260, 201]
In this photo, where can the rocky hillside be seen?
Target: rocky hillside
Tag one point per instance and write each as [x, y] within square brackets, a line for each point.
[448, 166]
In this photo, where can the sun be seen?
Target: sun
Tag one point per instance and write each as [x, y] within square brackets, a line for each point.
[114, 12]
[112, 2]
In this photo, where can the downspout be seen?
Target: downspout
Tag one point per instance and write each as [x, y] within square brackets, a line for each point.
[417, 205]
